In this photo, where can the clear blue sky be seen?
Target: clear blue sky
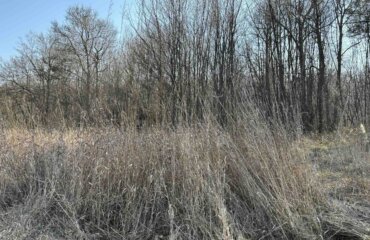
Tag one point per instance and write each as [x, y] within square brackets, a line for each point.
[19, 17]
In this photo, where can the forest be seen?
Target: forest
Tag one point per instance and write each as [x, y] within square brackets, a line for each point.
[215, 119]
[301, 61]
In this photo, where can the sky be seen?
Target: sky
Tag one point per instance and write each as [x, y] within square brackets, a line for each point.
[20, 17]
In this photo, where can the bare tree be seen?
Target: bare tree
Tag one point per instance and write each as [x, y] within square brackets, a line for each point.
[320, 24]
[88, 40]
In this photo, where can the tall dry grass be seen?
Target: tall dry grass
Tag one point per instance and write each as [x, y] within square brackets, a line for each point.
[198, 182]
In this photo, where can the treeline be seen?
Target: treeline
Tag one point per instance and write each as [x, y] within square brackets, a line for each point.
[297, 60]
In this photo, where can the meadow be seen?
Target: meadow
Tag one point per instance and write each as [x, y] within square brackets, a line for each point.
[255, 181]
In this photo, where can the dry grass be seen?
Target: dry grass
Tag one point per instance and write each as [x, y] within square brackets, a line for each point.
[189, 183]
[341, 164]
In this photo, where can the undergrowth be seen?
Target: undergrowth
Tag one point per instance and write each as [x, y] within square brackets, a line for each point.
[200, 182]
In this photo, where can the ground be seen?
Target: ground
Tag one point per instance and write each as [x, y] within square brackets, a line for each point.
[341, 162]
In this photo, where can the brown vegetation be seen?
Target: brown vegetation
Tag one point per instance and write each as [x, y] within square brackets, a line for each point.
[192, 183]
[203, 125]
